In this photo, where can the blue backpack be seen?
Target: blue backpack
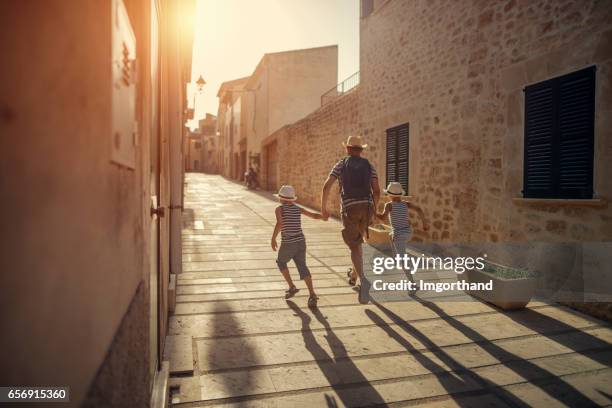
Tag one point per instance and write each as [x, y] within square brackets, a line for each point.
[356, 178]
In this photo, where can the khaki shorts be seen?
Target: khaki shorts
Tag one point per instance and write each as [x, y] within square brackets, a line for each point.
[356, 220]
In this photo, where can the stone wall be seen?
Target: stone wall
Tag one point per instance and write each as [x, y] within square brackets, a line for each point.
[455, 72]
[309, 148]
[123, 379]
[285, 87]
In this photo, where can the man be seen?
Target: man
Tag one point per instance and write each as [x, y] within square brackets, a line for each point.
[360, 193]
[251, 178]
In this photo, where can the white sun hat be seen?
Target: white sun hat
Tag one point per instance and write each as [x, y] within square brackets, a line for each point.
[395, 189]
[354, 141]
[286, 193]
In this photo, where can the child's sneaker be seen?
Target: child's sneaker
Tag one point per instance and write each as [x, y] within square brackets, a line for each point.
[312, 301]
[291, 292]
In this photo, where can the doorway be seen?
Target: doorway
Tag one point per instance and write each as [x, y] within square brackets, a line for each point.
[272, 167]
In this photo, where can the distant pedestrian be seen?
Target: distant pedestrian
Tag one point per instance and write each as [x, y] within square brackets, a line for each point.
[293, 242]
[359, 192]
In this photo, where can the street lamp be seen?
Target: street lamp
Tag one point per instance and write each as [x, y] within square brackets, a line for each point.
[200, 83]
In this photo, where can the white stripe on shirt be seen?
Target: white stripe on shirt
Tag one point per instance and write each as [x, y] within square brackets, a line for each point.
[291, 230]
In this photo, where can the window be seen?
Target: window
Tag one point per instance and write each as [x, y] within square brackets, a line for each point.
[559, 128]
[367, 6]
[397, 155]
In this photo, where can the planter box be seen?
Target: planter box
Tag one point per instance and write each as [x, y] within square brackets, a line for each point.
[506, 294]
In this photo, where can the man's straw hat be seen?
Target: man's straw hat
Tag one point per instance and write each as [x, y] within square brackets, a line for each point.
[395, 189]
[354, 141]
[286, 193]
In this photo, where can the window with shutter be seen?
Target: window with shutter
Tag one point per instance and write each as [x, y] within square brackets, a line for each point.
[397, 155]
[559, 131]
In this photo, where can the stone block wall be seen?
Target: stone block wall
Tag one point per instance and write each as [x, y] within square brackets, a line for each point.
[309, 148]
[455, 72]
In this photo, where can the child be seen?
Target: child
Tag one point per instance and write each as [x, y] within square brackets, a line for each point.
[401, 231]
[293, 242]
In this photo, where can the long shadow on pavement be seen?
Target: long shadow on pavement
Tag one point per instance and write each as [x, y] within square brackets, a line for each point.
[468, 381]
[542, 324]
[221, 353]
[332, 370]
[552, 385]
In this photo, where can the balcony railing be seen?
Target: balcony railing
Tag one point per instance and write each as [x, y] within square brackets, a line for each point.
[340, 89]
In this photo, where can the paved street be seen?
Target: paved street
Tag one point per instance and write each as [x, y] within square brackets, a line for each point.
[250, 347]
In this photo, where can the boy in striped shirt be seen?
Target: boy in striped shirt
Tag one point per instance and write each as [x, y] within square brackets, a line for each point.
[293, 242]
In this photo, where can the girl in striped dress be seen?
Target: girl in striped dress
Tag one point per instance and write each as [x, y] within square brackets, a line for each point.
[293, 242]
[401, 230]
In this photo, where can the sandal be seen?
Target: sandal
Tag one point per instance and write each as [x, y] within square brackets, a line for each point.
[291, 292]
[312, 301]
[349, 273]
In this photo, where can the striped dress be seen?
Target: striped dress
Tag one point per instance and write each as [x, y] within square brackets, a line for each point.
[400, 227]
[292, 224]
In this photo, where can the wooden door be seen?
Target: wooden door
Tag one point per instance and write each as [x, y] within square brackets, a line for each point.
[272, 167]
[154, 329]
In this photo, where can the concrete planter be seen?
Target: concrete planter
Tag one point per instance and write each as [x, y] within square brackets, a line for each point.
[507, 294]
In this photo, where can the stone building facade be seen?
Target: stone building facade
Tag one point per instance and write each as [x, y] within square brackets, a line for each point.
[460, 89]
[285, 87]
[230, 125]
[200, 153]
[454, 73]
[86, 262]
[307, 149]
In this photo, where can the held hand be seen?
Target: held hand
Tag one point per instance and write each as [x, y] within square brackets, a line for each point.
[273, 244]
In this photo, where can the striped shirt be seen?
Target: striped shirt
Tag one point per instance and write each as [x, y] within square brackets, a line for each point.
[291, 230]
[348, 202]
[399, 218]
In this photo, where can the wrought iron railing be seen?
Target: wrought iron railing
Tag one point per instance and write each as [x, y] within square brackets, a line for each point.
[343, 87]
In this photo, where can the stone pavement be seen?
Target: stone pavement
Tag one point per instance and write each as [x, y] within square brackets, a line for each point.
[250, 347]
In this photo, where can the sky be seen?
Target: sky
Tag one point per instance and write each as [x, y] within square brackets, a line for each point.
[231, 36]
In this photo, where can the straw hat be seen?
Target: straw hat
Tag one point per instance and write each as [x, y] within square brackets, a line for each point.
[286, 193]
[354, 141]
[395, 189]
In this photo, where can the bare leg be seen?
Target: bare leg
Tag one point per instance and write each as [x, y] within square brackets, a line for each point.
[357, 259]
[354, 270]
[287, 277]
[308, 281]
